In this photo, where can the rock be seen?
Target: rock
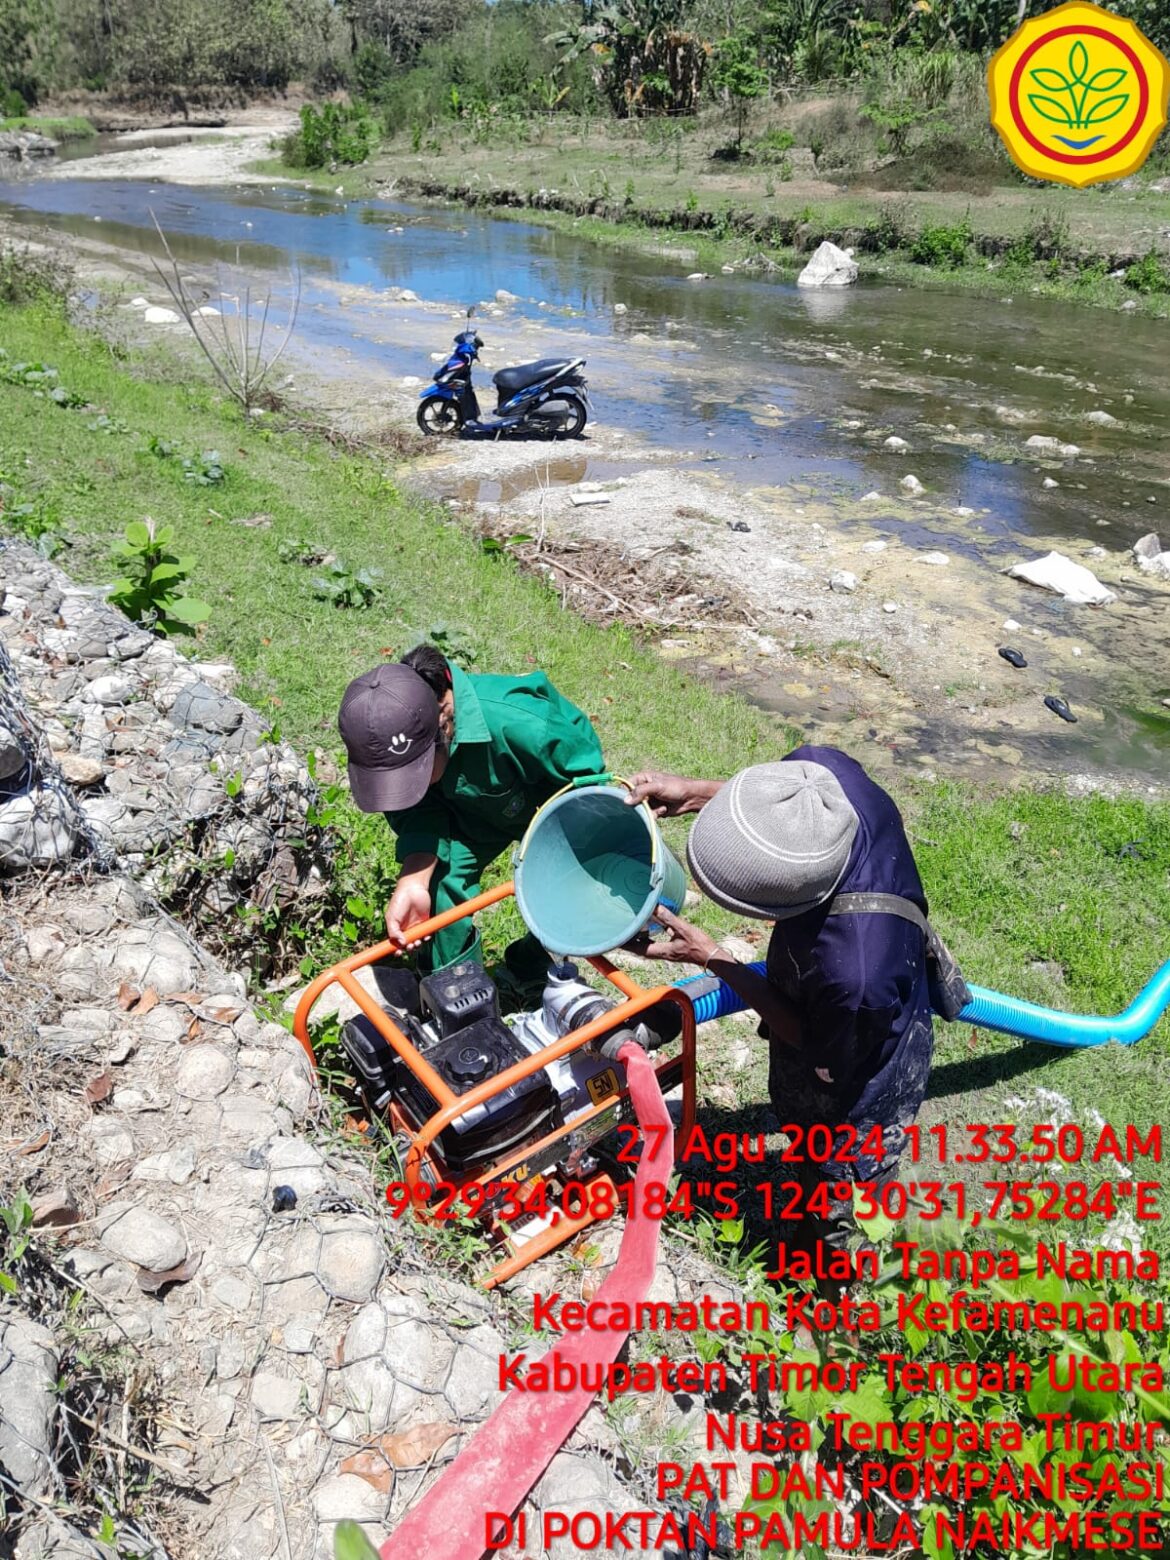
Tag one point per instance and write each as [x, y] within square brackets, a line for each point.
[1100, 419]
[200, 706]
[876, 546]
[204, 1072]
[12, 758]
[1049, 483]
[871, 498]
[1010, 626]
[620, 308]
[207, 312]
[276, 1397]
[504, 296]
[351, 1262]
[26, 145]
[406, 296]
[348, 1496]
[156, 316]
[81, 771]
[889, 606]
[139, 1236]
[1061, 575]
[176, 1165]
[938, 560]
[410, 382]
[34, 831]
[1150, 557]
[55, 1210]
[28, 1403]
[895, 443]
[912, 485]
[110, 690]
[1128, 306]
[1048, 445]
[829, 267]
[568, 1480]
[842, 580]
[697, 276]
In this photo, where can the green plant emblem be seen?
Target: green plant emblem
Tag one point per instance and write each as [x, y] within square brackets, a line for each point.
[1079, 101]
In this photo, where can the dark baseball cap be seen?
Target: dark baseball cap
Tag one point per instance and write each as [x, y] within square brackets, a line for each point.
[389, 722]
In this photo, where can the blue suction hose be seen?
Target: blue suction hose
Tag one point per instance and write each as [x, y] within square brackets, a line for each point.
[992, 1010]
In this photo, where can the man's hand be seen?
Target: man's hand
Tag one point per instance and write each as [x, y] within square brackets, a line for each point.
[686, 944]
[410, 905]
[669, 796]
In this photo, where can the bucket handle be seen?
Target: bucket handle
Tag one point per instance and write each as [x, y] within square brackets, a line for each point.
[577, 784]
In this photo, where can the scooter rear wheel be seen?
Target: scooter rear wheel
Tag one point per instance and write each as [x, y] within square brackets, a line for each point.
[567, 414]
[437, 416]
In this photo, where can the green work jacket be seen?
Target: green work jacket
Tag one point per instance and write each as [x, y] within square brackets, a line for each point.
[516, 742]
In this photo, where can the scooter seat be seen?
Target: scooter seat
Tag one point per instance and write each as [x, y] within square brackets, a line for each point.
[509, 380]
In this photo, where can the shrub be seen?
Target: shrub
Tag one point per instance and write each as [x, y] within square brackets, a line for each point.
[337, 133]
[943, 246]
[149, 591]
[1149, 274]
[28, 276]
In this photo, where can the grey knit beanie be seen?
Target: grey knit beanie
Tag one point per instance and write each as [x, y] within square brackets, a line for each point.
[774, 841]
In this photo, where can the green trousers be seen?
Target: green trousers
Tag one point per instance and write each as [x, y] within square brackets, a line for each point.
[455, 880]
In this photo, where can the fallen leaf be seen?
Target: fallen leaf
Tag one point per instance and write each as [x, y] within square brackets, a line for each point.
[412, 1448]
[110, 1183]
[148, 1000]
[128, 995]
[191, 998]
[194, 1030]
[352, 1124]
[34, 1145]
[99, 1088]
[223, 1015]
[153, 1283]
[589, 1288]
[372, 1468]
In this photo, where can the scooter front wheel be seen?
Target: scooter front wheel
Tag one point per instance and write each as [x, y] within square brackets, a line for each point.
[438, 416]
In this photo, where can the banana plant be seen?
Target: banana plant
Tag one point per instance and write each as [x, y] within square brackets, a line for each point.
[647, 59]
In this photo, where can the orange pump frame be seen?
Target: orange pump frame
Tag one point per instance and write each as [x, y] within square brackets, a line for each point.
[680, 1068]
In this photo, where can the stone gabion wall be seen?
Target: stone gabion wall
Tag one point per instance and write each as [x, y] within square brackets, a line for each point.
[116, 747]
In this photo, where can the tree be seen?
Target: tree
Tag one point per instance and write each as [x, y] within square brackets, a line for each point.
[736, 70]
[401, 27]
[27, 47]
[648, 60]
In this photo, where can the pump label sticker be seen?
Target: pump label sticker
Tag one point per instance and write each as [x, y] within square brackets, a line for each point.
[1078, 95]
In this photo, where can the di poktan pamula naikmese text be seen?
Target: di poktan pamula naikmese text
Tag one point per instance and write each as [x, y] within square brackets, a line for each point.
[850, 1481]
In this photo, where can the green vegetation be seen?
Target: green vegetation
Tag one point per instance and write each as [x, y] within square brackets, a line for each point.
[336, 133]
[150, 591]
[71, 128]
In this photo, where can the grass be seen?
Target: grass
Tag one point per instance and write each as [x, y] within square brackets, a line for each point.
[72, 128]
[1063, 901]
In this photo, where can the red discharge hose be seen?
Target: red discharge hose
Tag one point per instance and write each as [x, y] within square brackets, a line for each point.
[507, 1455]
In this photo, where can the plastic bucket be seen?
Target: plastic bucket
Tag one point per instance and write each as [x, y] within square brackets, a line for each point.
[591, 869]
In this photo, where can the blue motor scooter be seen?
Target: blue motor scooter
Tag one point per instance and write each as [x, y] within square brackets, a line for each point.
[548, 398]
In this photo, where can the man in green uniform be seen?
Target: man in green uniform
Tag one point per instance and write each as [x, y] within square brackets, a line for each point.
[459, 764]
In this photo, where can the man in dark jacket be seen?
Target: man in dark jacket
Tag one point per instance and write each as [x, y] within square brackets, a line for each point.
[845, 1002]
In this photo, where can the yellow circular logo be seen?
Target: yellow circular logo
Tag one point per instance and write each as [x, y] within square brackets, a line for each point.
[1079, 95]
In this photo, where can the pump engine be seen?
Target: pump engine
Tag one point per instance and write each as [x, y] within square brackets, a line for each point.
[453, 1021]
